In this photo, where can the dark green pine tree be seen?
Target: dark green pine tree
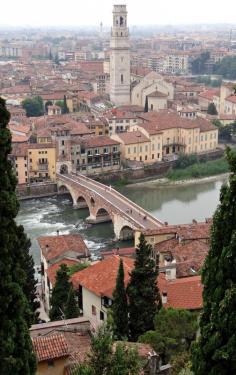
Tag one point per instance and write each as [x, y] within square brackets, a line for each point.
[214, 353]
[146, 104]
[120, 306]
[65, 108]
[211, 110]
[27, 263]
[60, 293]
[16, 355]
[142, 291]
[71, 307]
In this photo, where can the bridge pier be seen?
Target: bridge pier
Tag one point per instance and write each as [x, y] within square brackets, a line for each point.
[98, 219]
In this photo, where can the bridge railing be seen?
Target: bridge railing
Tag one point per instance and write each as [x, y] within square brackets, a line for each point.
[125, 215]
[140, 209]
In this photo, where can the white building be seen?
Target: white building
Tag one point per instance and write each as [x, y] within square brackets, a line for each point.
[120, 57]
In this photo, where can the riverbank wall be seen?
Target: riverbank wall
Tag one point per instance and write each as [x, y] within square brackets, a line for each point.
[122, 177]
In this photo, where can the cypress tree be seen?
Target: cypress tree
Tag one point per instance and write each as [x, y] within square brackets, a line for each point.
[65, 108]
[143, 294]
[146, 105]
[60, 293]
[214, 353]
[71, 307]
[120, 306]
[16, 355]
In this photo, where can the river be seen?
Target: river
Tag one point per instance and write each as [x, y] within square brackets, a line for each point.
[174, 204]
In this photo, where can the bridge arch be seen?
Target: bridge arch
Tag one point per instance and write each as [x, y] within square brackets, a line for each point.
[126, 233]
[63, 189]
[82, 202]
[102, 215]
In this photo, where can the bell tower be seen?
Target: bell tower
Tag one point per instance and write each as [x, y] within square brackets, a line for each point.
[120, 57]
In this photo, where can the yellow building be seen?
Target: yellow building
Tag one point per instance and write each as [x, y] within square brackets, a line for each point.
[42, 162]
[19, 158]
[135, 146]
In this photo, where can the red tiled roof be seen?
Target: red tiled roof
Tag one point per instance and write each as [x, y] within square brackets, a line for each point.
[55, 246]
[52, 270]
[50, 347]
[19, 138]
[126, 251]
[133, 137]
[157, 94]
[208, 94]
[100, 278]
[99, 141]
[184, 293]
[185, 231]
[231, 98]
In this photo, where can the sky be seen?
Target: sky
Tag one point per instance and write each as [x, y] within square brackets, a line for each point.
[92, 12]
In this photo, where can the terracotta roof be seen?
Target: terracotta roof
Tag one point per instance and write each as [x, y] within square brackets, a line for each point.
[99, 141]
[78, 345]
[185, 231]
[184, 293]
[133, 137]
[131, 108]
[50, 347]
[231, 98]
[19, 138]
[126, 251]
[41, 145]
[52, 270]
[56, 246]
[157, 94]
[208, 94]
[100, 278]
[19, 128]
[20, 149]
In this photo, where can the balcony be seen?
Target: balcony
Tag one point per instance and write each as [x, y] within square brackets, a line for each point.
[42, 167]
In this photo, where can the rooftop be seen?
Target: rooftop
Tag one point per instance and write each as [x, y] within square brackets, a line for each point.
[50, 347]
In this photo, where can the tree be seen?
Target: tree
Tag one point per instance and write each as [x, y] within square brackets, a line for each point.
[211, 110]
[174, 332]
[226, 67]
[71, 307]
[65, 109]
[109, 358]
[60, 293]
[33, 106]
[56, 59]
[16, 354]
[142, 291]
[47, 104]
[198, 64]
[146, 104]
[120, 306]
[214, 353]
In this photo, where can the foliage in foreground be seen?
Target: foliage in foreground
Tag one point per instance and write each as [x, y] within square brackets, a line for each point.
[174, 332]
[107, 358]
[16, 312]
[214, 353]
[142, 291]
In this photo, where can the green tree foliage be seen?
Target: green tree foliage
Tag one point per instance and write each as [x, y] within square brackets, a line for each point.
[198, 65]
[107, 358]
[211, 110]
[33, 106]
[47, 104]
[185, 161]
[65, 108]
[226, 67]
[120, 306]
[146, 104]
[142, 291]
[60, 293]
[16, 354]
[215, 350]
[174, 332]
[71, 307]
[181, 364]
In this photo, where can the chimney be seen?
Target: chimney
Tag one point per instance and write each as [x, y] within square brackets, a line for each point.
[164, 297]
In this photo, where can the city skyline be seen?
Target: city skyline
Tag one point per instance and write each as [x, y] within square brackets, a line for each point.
[26, 13]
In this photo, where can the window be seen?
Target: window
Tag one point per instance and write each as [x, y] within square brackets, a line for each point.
[101, 315]
[25, 173]
[145, 157]
[122, 78]
[30, 160]
[151, 107]
[152, 156]
[16, 165]
[50, 363]
[94, 310]
[128, 150]
[24, 157]
[62, 142]
[16, 157]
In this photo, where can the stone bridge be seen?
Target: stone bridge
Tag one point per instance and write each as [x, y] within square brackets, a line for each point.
[106, 204]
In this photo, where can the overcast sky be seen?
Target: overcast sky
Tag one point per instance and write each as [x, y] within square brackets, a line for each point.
[92, 12]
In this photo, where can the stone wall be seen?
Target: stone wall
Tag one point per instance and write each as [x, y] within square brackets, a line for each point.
[39, 189]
